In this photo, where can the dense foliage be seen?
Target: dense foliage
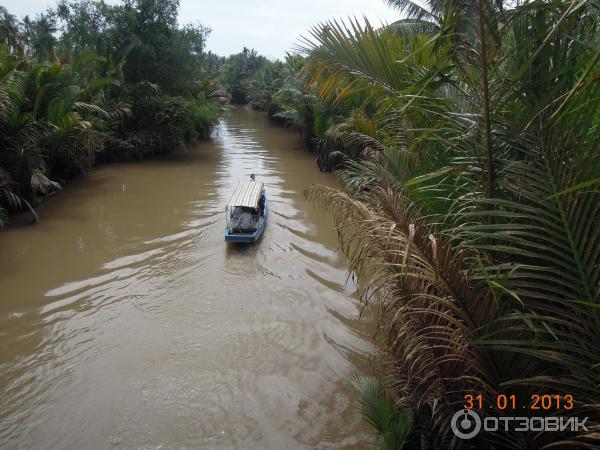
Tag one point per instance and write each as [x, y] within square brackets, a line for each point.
[250, 78]
[278, 87]
[88, 82]
[471, 211]
[469, 136]
[237, 70]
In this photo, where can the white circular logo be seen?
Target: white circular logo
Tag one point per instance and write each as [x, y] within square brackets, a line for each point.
[465, 424]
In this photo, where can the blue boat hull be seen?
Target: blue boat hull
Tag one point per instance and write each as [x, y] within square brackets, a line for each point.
[249, 237]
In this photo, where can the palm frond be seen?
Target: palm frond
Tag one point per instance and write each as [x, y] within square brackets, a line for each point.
[379, 410]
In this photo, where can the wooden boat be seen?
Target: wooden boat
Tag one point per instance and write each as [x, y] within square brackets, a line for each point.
[246, 212]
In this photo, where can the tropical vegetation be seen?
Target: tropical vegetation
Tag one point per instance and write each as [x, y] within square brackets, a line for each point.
[89, 82]
[470, 209]
[468, 138]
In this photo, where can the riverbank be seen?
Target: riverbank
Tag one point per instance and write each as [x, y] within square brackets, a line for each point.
[115, 153]
[94, 83]
[160, 148]
[128, 321]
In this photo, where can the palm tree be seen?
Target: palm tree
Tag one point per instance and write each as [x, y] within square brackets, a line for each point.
[22, 165]
[40, 36]
[378, 409]
[9, 31]
[461, 215]
[46, 127]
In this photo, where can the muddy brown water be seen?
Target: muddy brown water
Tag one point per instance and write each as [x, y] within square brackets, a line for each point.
[126, 321]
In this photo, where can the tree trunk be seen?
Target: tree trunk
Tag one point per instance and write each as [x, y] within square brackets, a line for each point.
[487, 136]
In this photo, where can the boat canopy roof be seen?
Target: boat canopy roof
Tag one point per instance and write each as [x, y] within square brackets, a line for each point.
[246, 194]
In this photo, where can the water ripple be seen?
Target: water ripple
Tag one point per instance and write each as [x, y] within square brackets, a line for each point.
[130, 323]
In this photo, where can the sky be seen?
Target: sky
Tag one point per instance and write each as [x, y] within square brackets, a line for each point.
[270, 26]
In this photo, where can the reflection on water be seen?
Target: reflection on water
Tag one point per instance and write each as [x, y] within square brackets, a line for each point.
[127, 321]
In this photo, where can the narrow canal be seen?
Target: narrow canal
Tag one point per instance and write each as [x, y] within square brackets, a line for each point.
[126, 321]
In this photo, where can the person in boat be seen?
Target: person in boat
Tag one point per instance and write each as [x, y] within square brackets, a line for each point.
[261, 204]
[242, 219]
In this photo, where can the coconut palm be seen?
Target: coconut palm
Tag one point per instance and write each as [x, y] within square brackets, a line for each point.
[39, 34]
[9, 31]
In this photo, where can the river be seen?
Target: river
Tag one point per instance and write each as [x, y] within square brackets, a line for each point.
[127, 321]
